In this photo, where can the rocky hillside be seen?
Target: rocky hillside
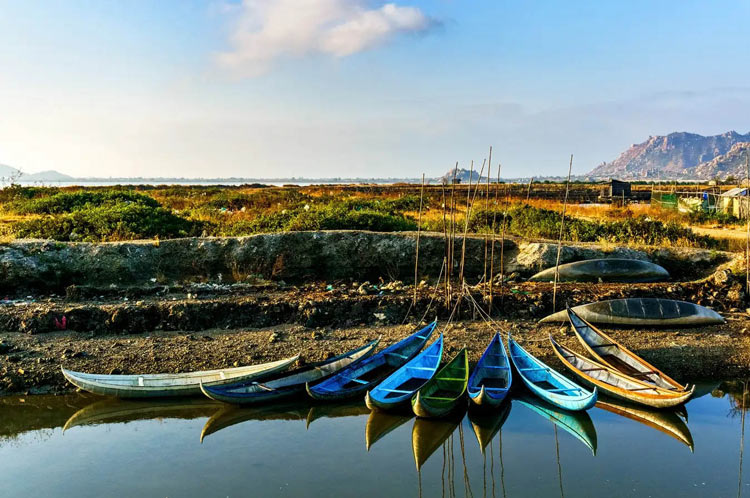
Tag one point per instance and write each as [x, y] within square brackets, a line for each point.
[675, 156]
[730, 164]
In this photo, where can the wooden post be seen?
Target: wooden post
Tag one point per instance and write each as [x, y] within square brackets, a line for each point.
[452, 235]
[502, 244]
[528, 190]
[747, 215]
[486, 210]
[559, 239]
[447, 247]
[466, 228]
[466, 223]
[492, 254]
[419, 232]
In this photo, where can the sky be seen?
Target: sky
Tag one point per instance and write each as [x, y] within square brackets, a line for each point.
[360, 88]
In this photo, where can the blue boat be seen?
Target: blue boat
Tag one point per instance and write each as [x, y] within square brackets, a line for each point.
[550, 385]
[286, 385]
[490, 381]
[357, 379]
[396, 391]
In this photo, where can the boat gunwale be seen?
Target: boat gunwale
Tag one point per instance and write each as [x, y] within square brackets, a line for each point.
[622, 349]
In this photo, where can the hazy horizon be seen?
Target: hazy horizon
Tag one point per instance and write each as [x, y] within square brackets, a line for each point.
[359, 88]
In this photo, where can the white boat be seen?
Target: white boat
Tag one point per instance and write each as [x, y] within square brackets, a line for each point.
[162, 385]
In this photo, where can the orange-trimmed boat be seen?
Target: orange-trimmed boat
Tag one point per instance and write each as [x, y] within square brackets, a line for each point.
[613, 354]
[616, 384]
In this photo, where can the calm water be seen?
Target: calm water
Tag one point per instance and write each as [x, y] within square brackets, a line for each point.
[80, 446]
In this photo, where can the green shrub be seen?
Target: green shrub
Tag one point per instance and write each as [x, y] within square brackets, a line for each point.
[120, 221]
[67, 202]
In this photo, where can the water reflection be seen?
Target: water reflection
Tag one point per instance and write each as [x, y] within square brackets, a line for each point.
[316, 449]
[666, 421]
[380, 423]
[113, 411]
[578, 424]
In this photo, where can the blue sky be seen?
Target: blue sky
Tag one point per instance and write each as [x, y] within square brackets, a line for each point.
[269, 88]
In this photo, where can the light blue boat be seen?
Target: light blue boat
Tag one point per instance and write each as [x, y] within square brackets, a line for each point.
[358, 378]
[397, 390]
[491, 379]
[550, 385]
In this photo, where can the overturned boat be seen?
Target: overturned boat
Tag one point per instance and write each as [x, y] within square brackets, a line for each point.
[605, 270]
[644, 311]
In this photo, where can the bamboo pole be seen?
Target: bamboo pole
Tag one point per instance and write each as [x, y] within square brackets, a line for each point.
[559, 239]
[466, 222]
[466, 228]
[446, 256]
[747, 215]
[419, 232]
[486, 210]
[494, 238]
[502, 243]
[452, 235]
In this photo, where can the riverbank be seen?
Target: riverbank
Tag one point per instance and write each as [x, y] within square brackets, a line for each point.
[31, 364]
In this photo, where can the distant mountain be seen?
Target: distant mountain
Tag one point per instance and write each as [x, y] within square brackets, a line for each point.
[733, 163]
[47, 176]
[462, 175]
[9, 173]
[675, 156]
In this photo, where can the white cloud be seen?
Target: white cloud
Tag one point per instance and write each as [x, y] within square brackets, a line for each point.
[266, 30]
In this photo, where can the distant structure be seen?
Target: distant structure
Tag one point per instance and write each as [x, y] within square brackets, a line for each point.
[618, 188]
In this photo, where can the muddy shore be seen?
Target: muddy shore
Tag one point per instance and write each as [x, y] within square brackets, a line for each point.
[31, 364]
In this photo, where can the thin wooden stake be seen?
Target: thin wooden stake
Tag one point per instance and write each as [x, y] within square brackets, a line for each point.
[419, 232]
[747, 215]
[466, 228]
[468, 216]
[528, 189]
[559, 239]
[446, 256]
[494, 238]
[502, 244]
[452, 236]
[486, 235]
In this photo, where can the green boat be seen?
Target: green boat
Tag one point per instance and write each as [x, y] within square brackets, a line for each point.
[441, 394]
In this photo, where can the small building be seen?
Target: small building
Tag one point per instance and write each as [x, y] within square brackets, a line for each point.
[735, 201]
[619, 188]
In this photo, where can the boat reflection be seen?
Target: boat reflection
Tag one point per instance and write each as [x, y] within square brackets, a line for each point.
[229, 415]
[381, 423]
[336, 410]
[666, 421]
[487, 423]
[428, 435]
[116, 411]
[578, 424]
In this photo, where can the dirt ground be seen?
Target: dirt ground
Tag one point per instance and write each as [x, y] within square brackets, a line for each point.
[31, 363]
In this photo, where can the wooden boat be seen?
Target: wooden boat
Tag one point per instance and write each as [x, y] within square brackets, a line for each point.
[617, 384]
[397, 390]
[427, 435]
[487, 424]
[164, 385]
[381, 423]
[550, 385]
[613, 354]
[491, 379]
[665, 421]
[642, 311]
[287, 384]
[117, 411]
[228, 415]
[356, 379]
[441, 394]
[605, 270]
[577, 424]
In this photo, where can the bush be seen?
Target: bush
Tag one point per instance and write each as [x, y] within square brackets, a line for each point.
[66, 202]
[120, 221]
[340, 218]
